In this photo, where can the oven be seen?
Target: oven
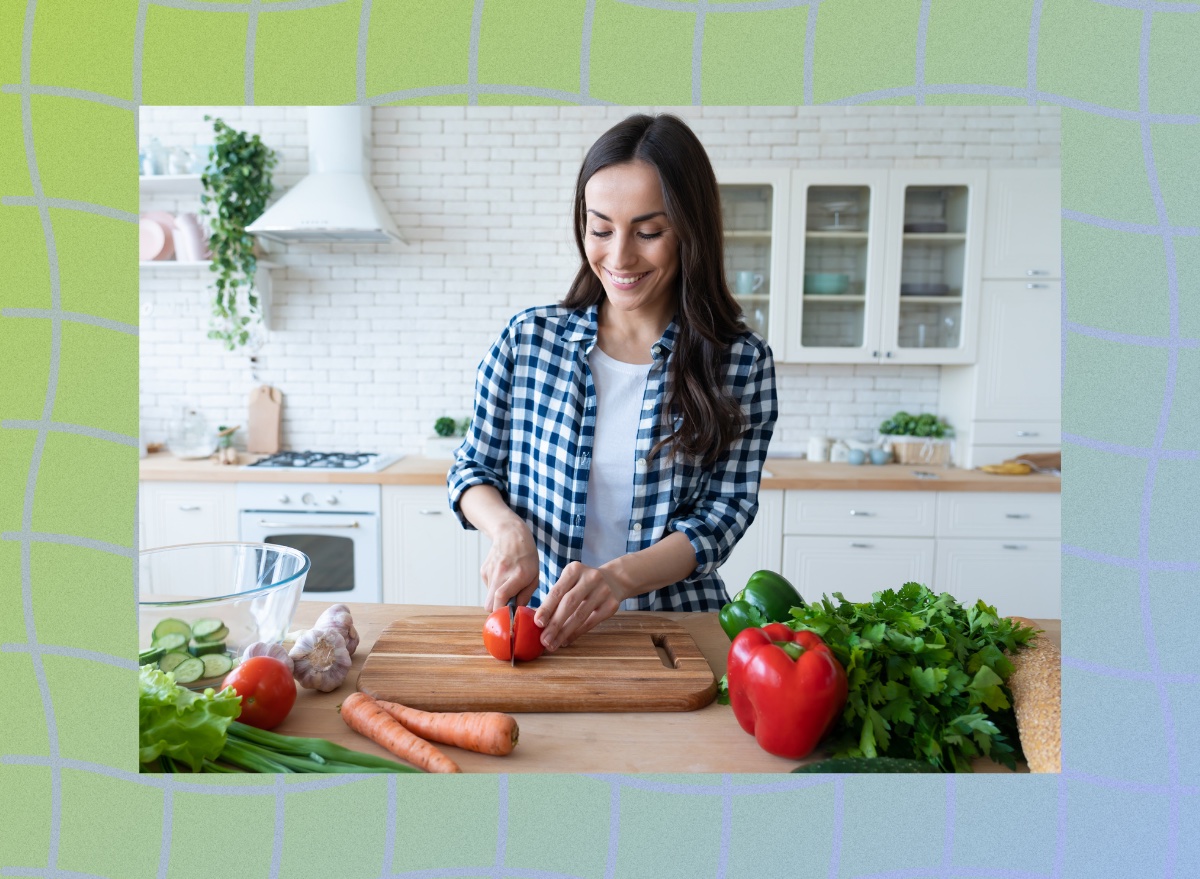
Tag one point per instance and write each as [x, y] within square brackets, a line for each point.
[336, 526]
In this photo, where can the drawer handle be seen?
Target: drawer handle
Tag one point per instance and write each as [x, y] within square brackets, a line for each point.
[1036, 286]
[861, 545]
[1016, 515]
[300, 526]
[1027, 433]
[1036, 272]
[1014, 546]
[430, 512]
[860, 513]
[189, 508]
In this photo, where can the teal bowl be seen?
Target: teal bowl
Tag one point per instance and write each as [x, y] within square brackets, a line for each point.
[825, 283]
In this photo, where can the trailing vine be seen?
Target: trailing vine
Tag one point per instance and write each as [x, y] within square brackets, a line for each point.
[237, 184]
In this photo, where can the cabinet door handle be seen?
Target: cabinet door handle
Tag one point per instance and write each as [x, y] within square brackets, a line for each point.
[1037, 286]
[860, 513]
[887, 354]
[1036, 272]
[189, 508]
[1027, 433]
[861, 545]
[299, 526]
[1014, 546]
[1016, 515]
[875, 354]
[430, 512]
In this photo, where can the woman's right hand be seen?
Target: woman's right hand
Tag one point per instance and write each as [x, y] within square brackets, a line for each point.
[511, 567]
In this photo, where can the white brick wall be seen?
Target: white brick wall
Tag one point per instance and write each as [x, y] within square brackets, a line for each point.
[371, 344]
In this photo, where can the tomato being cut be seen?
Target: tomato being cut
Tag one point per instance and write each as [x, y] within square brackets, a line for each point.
[499, 640]
[267, 690]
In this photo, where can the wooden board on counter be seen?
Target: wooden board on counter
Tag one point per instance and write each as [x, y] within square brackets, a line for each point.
[630, 662]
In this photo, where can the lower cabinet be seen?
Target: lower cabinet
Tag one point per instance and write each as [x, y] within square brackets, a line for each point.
[855, 566]
[428, 558]
[171, 513]
[1015, 576]
[759, 547]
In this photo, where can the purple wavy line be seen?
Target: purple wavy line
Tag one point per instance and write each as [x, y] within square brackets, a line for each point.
[1131, 228]
[1153, 453]
[839, 820]
[1133, 787]
[1128, 338]
[1127, 674]
[1159, 437]
[1117, 561]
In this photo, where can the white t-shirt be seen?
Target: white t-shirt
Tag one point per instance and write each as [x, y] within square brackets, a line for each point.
[620, 388]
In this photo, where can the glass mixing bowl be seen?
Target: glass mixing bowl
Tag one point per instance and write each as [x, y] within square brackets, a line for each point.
[250, 589]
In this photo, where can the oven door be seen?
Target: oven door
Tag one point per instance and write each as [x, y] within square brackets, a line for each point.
[342, 547]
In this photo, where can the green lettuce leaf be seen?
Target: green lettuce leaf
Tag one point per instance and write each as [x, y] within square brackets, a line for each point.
[184, 725]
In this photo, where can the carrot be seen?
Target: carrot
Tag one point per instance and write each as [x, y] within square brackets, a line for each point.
[365, 717]
[488, 732]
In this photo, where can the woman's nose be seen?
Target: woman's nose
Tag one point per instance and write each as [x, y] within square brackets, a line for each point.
[623, 250]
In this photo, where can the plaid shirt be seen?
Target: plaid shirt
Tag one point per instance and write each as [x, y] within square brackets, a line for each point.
[531, 437]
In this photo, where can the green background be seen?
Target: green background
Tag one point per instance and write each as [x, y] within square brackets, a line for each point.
[72, 74]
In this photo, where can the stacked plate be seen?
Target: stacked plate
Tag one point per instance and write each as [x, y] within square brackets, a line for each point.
[155, 238]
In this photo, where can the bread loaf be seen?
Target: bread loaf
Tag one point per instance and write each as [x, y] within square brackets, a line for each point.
[1036, 685]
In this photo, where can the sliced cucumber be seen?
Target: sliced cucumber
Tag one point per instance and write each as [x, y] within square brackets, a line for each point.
[191, 669]
[203, 629]
[172, 660]
[172, 626]
[204, 648]
[154, 654]
[216, 635]
[217, 665]
[171, 641]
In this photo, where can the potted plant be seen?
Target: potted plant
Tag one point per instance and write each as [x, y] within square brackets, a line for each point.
[918, 439]
[448, 437]
[237, 183]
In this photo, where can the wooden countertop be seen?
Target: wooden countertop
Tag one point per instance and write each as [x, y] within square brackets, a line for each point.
[781, 473]
[705, 740]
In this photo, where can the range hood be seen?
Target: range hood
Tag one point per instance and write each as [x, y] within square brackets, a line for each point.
[336, 201]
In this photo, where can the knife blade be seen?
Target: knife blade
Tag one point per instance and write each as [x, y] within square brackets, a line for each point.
[512, 631]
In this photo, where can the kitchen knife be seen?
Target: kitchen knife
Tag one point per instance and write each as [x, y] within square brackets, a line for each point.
[512, 631]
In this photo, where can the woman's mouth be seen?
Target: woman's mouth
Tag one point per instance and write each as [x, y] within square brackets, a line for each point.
[625, 281]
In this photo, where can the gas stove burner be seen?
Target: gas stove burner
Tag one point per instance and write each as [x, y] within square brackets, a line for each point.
[369, 461]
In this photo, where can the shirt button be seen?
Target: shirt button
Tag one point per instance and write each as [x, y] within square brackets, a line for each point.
[641, 465]
[657, 349]
[637, 526]
[579, 520]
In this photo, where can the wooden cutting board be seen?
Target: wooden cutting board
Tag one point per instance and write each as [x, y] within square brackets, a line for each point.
[266, 404]
[633, 661]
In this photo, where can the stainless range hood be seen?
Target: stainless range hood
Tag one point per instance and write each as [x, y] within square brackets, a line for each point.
[336, 201]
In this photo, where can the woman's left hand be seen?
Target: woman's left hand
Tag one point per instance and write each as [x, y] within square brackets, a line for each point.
[582, 598]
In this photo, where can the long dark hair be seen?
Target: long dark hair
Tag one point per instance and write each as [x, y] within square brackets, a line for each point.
[709, 317]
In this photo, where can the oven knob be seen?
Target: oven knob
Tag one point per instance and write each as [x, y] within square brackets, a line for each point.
[331, 500]
[284, 499]
[307, 498]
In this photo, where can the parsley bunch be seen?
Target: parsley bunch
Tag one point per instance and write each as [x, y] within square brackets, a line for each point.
[927, 676]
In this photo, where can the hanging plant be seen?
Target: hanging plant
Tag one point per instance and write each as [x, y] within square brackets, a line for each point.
[237, 184]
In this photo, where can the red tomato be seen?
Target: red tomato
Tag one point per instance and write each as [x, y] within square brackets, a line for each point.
[497, 635]
[267, 690]
[528, 642]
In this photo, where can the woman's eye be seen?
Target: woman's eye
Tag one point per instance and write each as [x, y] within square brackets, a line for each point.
[650, 236]
[599, 234]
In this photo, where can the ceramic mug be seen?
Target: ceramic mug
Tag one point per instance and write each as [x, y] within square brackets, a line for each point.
[856, 456]
[747, 282]
[880, 456]
[818, 448]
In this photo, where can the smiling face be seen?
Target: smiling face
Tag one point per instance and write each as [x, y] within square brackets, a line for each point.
[629, 241]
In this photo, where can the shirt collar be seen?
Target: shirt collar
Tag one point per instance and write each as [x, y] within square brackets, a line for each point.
[582, 326]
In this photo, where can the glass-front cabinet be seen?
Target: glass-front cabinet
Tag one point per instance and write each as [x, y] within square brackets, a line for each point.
[756, 223]
[846, 266]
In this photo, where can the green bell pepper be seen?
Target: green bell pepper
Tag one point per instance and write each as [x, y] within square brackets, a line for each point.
[767, 598]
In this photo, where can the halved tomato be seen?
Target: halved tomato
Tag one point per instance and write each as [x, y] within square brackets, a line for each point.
[500, 639]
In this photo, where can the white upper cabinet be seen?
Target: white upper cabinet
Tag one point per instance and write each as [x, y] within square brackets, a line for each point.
[1024, 226]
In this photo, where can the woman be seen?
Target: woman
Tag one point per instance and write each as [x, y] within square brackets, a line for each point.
[618, 438]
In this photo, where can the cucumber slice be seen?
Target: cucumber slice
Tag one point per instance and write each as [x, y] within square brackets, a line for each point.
[154, 654]
[191, 669]
[172, 660]
[217, 665]
[171, 641]
[204, 648]
[217, 635]
[168, 626]
[202, 629]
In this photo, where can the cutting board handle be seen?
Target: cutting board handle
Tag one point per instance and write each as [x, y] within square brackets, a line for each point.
[662, 644]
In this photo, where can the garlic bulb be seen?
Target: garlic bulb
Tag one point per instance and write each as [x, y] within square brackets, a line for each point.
[338, 617]
[321, 660]
[262, 648]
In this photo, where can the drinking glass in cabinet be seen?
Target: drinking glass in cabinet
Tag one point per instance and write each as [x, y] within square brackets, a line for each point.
[746, 218]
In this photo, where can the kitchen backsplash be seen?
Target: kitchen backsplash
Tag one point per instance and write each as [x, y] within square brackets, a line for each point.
[371, 344]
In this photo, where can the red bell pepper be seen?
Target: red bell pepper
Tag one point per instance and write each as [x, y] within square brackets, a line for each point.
[786, 688]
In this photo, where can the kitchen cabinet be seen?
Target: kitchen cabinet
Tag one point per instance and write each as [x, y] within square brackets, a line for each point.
[760, 547]
[1024, 237]
[856, 566]
[868, 266]
[172, 513]
[427, 556]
